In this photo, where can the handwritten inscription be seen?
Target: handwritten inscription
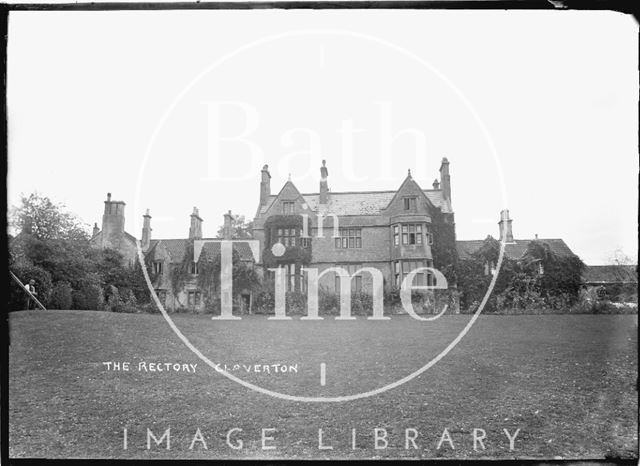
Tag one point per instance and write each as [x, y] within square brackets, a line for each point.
[144, 366]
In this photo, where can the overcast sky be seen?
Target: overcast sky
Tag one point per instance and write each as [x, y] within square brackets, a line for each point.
[168, 110]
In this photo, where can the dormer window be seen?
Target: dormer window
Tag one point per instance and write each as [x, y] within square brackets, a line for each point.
[409, 203]
[158, 267]
[287, 207]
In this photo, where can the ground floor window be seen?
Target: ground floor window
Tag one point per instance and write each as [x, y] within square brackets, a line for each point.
[162, 296]
[294, 279]
[193, 298]
[402, 268]
[356, 283]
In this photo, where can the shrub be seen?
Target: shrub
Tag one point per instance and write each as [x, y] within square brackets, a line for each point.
[61, 296]
[264, 302]
[328, 302]
[114, 303]
[148, 308]
[89, 297]
[128, 301]
[296, 303]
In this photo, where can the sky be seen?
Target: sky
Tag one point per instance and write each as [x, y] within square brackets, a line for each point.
[536, 111]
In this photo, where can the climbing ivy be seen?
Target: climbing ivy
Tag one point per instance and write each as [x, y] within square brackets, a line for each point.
[292, 254]
[445, 254]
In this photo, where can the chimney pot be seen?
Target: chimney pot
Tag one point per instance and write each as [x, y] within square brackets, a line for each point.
[504, 224]
[324, 185]
[146, 231]
[445, 179]
[265, 185]
[195, 229]
[226, 230]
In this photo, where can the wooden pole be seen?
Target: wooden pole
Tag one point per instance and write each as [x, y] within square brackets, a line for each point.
[27, 291]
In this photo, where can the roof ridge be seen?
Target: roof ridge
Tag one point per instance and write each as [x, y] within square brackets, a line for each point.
[183, 239]
[352, 192]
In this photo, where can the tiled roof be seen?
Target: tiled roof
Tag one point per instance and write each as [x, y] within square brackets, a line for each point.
[128, 236]
[362, 203]
[610, 274]
[177, 248]
[513, 250]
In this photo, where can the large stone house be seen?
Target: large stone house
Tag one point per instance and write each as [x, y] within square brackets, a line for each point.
[165, 257]
[391, 231]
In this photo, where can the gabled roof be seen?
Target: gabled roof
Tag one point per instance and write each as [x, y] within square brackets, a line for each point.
[408, 181]
[604, 274]
[178, 247]
[129, 237]
[361, 203]
[513, 250]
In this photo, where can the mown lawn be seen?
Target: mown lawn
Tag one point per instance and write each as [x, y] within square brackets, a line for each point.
[568, 382]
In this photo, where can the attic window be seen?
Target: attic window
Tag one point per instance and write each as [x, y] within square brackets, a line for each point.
[193, 268]
[287, 207]
[409, 203]
[158, 267]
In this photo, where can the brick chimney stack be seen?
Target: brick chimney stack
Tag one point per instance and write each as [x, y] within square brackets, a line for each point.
[265, 185]
[112, 223]
[436, 184]
[445, 179]
[227, 230]
[324, 186]
[195, 229]
[146, 231]
[96, 230]
[505, 226]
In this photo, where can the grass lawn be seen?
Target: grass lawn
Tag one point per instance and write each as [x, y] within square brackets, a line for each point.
[568, 382]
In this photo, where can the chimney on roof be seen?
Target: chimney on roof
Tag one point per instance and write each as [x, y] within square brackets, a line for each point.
[146, 231]
[436, 184]
[536, 235]
[505, 226]
[324, 186]
[445, 179]
[195, 229]
[96, 230]
[112, 223]
[227, 229]
[265, 185]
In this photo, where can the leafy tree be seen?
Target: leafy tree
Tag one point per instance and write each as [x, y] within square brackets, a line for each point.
[53, 241]
[240, 228]
[41, 217]
[618, 257]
